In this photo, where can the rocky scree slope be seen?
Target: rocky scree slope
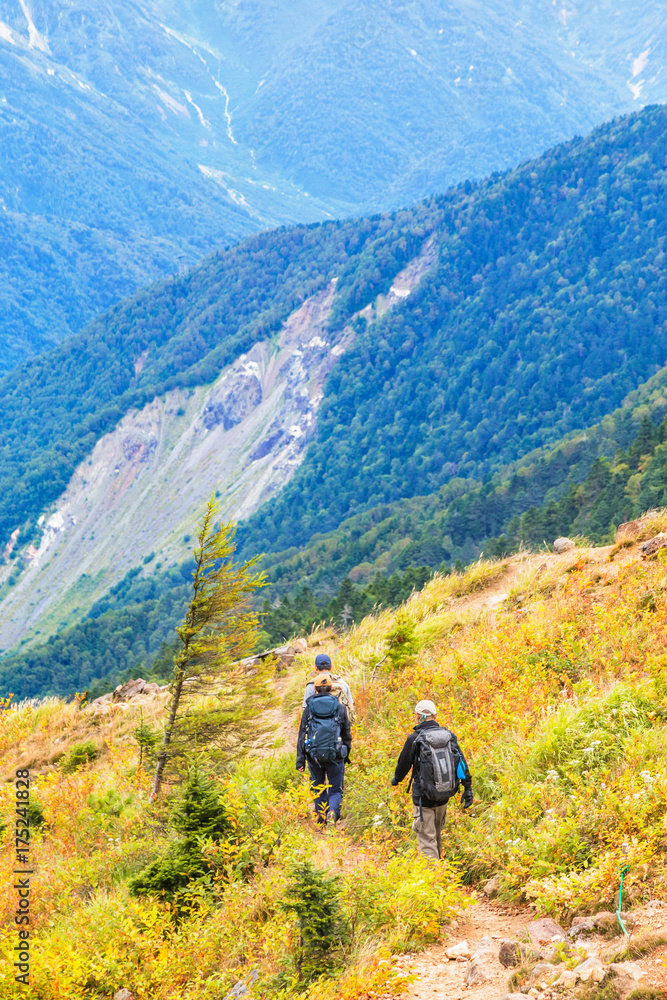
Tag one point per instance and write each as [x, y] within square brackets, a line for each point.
[140, 492]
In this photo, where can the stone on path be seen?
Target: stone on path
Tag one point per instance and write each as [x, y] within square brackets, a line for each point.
[591, 969]
[582, 925]
[541, 971]
[477, 973]
[563, 545]
[568, 979]
[629, 969]
[544, 930]
[509, 954]
[485, 948]
[492, 886]
[460, 950]
[513, 996]
[123, 994]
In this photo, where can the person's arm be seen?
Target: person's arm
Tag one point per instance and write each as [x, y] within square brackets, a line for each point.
[308, 693]
[348, 693]
[404, 761]
[345, 729]
[467, 796]
[301, 742]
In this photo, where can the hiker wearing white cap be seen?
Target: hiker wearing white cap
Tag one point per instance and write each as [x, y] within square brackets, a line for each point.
[438, 768]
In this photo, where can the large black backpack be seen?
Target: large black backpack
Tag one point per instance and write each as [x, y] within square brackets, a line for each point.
[323, 740]
[438, 764]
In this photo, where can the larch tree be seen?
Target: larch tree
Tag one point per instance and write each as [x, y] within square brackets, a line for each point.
[218, 629]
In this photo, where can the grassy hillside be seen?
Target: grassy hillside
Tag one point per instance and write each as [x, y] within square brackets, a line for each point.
[550, 670]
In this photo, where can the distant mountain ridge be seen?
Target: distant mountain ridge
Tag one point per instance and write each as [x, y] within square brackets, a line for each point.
[138, 137]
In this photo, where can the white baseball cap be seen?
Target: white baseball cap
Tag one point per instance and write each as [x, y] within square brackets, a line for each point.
[425, 708]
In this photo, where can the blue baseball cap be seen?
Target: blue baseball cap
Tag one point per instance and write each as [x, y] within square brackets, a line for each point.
[322, 662]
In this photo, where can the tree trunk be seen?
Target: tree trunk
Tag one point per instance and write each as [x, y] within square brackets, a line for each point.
[162, 758]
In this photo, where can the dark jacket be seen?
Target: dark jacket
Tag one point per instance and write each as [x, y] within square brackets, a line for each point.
[406, 761]
[343, 721]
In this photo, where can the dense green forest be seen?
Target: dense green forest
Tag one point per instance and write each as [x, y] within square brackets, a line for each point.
[559, 263]
[459, 521]
[547, 306]
[585, 486]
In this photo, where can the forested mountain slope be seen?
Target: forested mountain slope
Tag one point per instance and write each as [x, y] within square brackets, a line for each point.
[548, 305]
[587, 484]
[537, 301]
[137, 137]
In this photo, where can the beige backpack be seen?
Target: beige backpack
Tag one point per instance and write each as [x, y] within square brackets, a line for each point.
[340, 692]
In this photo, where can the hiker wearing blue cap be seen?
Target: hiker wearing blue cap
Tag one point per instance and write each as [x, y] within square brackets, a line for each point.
[340, 688]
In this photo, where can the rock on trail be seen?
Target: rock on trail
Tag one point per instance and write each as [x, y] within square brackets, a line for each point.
[477, 959]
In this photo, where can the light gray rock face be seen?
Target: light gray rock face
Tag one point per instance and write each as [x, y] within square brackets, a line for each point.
[591, 969]
[123, 994]
[563, 545]
[544, 930]
[477, 973]
[234, 398]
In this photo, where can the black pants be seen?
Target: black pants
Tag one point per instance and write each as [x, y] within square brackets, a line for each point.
[327, 783]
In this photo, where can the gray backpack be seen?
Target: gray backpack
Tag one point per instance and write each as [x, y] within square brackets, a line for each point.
[439, 765]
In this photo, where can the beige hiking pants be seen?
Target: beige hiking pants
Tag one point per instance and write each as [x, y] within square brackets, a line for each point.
[429, 829]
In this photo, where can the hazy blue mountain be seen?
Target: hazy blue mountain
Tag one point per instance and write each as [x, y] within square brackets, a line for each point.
[119, 164]
[136, 137]
[413, 96]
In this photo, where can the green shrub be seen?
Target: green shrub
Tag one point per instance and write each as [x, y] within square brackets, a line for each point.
[109, 804]
[199, 814]
[402, 639]
[147, 738]
[314, 898]
[35, 814]
[79, 754]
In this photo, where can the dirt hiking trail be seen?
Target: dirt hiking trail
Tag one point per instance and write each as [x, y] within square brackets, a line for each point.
[440, 978]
